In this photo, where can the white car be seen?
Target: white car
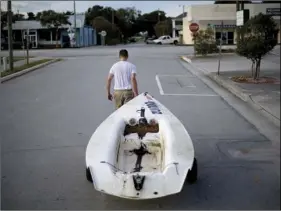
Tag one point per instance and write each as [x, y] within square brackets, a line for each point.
[166, 40]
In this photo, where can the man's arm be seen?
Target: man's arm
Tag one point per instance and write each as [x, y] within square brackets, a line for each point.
[134, 84]
[108, 84]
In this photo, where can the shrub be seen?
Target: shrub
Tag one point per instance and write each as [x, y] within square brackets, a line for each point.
[258, 37]
[163, 28]
[113, 41]
[204, 42]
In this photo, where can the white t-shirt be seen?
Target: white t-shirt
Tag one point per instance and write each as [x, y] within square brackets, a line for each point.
[122, 72]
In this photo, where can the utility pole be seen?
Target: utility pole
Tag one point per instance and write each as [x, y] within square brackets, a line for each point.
[242, 5]
[237, 9]
[159, 15]
[27, 46]
[75, 37]
[10, 34]
[219, 62]
[0, 28]
[112, 18]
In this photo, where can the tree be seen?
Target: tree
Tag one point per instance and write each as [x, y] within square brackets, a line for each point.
[69, 13]
[128, 14]
[52, 19]
[38, 15]
[4, 18]
[163, 28]
[147, 21]
[128, 20]
[18, 17]
[113, 33]
[101, 19]
[258, 38]
[204, 42]
[123, 18]
[31, 16]
[97, 11]
[154, 16]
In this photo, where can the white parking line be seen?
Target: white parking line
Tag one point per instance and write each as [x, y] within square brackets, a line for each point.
[168, 94]
[195, 95]
[178, 76]
[159, 85]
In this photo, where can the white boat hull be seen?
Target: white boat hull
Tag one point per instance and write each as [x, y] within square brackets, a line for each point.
[113, 158]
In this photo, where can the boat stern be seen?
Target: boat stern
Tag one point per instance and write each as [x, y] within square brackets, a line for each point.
[142, 185]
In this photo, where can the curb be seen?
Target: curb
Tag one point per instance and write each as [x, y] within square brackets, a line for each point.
[230, 86]
[17, 74]
[275, 54]
[189, 59]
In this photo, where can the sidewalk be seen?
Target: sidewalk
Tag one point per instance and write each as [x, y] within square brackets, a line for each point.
[263, 97]
[276, 51]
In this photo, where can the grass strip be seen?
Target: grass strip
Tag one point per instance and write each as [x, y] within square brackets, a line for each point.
[23, 67]
[16, 58]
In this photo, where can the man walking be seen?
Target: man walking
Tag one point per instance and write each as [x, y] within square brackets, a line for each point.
[125, 81]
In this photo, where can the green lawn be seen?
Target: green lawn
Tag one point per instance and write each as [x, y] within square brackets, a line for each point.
[25, 66]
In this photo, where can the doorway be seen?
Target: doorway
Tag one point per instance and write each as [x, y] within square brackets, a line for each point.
[33, 41]
[227, 37]
[32, 38]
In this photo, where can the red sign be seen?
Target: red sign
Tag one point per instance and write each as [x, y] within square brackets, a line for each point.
[193, 27]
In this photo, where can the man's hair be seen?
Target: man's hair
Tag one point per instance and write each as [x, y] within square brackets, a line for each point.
[123, 53]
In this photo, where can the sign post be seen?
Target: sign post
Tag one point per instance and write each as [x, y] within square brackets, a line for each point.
[242, 16]
[103, 34]
[27, 46]
[219, 62]
[194, 27]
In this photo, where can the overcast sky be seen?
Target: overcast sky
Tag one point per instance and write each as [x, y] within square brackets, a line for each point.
[171, 8]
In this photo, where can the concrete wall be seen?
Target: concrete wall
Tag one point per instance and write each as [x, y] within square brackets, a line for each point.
[211, 12]
[215, 13]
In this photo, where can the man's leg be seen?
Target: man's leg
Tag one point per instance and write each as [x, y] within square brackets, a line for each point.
[127, 96]
[117, 95]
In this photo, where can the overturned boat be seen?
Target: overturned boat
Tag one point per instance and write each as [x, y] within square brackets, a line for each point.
[141, 151]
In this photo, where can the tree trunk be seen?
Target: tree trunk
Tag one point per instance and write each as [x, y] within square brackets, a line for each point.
[253, 66]
[57, 35]
[258, 68]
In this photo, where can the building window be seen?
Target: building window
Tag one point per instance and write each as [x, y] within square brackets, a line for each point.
[178, 22]
[227, 37]
[45, 34]
[230, 37]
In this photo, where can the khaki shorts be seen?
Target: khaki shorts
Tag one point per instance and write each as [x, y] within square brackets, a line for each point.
[122, 96]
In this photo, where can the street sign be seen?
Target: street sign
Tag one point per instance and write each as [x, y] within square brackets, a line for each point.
[103, 33]
[193, 27]
[273, 11]
[242, 16]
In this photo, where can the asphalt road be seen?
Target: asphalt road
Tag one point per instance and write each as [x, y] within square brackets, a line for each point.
[49, 115]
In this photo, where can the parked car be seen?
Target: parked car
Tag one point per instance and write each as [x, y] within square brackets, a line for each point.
[166, 39]
[150, 40]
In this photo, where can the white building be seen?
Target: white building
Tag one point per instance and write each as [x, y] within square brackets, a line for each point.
[215, 13]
